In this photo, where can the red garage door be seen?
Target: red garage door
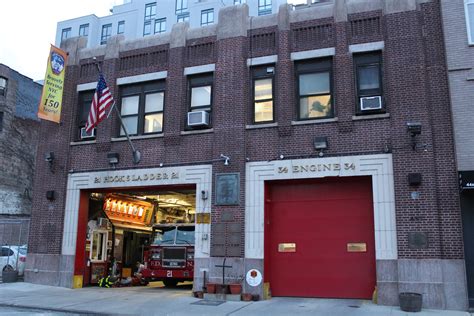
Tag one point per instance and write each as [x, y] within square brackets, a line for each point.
[315, 234]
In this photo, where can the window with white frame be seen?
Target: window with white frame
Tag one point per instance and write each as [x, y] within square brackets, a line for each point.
[106, 33]
[469, 10]
[99, 246]
[207, 17]
[160, 25]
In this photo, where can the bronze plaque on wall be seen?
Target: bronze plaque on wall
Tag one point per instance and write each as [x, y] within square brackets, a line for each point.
[203, 218]
[287, 247]
[356, 247]
[417, 240]
[227, 188]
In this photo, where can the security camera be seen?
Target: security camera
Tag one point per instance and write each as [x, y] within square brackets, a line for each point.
[204, 195]
[414, 128]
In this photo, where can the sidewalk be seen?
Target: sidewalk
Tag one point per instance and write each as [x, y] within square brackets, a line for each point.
[160, 301]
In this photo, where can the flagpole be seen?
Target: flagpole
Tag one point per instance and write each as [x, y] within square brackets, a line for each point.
[135, 153]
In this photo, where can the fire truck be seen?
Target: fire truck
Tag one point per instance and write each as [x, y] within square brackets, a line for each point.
[170, 255]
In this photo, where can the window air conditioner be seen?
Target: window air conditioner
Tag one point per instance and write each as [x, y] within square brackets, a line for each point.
[198, 118]
[84, 134]
[371, 103]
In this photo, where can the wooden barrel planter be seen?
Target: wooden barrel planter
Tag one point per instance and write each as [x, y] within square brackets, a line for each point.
[410, 302]
[9, 276]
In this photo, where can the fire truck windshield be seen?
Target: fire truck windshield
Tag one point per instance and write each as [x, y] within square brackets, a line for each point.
[174, 235]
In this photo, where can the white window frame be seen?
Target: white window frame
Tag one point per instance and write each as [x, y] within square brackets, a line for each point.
[468, 28]
[104, 245]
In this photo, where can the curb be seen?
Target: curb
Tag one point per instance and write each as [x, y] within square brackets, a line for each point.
[61, 310]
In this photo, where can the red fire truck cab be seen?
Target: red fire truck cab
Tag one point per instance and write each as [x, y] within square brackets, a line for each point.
[170, 257]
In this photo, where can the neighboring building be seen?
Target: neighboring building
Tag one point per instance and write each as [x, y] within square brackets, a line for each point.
[458, 24]
[139, 18]
[313, 146]
[19, 127]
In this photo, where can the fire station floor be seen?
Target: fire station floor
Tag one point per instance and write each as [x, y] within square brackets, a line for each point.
[156, 300]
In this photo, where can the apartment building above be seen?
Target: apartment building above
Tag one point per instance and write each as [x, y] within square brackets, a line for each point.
[139, 18]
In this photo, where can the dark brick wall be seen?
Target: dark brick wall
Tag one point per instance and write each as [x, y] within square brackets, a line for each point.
[415, 89]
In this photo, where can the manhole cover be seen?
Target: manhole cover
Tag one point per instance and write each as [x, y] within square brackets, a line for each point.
[208, 303]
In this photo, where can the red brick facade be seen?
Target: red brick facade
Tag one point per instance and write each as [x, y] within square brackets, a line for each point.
[415, 89]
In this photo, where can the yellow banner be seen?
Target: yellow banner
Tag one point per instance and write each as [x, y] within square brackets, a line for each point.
[52, 96]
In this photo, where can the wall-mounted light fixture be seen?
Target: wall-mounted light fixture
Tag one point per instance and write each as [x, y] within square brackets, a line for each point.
[226, 159]
[320, 144]
[414, 128]
[49, 158]
[113, 159]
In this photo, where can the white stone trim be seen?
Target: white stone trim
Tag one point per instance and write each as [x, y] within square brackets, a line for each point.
[271, 59]
[366, 47]
[200, 175]
[315, 53]
[380, 167]
[199, 69]
[86, 86]
[142, 78]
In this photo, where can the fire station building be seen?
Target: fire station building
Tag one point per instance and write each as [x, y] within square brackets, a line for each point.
[311, 149]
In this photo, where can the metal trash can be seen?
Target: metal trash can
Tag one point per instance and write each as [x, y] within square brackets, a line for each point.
[410, 302]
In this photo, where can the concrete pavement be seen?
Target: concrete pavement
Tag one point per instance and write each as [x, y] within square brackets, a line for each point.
[156, 300]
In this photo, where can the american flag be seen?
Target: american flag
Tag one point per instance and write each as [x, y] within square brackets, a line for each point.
[101, 101]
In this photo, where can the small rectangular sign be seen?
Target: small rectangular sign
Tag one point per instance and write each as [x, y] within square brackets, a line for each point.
[356, 247]
[466, 180]
[287, 247]
[203, 218]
